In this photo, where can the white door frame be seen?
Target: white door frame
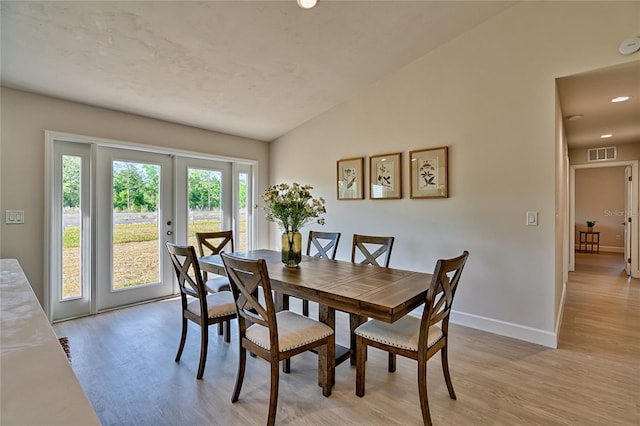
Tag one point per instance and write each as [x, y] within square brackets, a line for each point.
[248, 166]
[633, 228]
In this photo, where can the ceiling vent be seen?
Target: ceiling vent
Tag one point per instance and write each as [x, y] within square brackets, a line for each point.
[601, 154]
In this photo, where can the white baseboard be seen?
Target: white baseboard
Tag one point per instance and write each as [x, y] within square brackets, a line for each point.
[503, 328]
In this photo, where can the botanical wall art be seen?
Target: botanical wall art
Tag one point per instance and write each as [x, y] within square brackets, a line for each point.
[429, 173]
[351, 179]
[385, 180]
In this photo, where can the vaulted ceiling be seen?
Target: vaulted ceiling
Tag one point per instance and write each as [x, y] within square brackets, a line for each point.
[260, 68]
[250, 68]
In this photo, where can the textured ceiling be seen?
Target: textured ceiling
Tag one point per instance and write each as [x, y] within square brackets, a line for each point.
[250, 68]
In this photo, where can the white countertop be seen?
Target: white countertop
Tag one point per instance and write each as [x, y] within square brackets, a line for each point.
[37, 384]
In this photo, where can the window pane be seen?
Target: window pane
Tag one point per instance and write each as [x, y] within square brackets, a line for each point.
[136, 231]
[243, 212]
[204, 202]
[71, 261]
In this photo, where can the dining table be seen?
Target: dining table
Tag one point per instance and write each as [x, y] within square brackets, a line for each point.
[363, 291]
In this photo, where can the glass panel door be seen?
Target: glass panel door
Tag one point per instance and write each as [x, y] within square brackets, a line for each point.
[135, 218]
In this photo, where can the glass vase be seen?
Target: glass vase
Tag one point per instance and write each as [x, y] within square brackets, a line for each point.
[291, 249]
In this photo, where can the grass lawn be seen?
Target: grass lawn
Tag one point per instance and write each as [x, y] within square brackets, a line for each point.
[135, 253]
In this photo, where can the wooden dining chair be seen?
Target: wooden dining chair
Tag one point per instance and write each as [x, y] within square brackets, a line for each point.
[363, 245]
[417, 338]
[361, 249]
[273, 336]
[325, 245]
[219, 307]
[211, 243]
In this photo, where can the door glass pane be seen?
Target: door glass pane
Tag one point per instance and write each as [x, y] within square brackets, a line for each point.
[71, 261]
[136, 230]
[204, 202]
[242, 211]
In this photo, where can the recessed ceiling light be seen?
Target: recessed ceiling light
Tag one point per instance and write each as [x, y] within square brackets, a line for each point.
[620, 99]
[574, 117]
[607, 136]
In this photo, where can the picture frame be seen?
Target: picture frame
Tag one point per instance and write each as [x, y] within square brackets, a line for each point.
[429, 173]
[350, 178]
[385, 176]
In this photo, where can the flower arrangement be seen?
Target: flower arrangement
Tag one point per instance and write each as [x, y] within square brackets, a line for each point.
[292, 206]
[591, 223]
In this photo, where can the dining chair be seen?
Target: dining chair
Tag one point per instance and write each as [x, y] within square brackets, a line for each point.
[219, 307]
[211, 243]
[325, 245]
[417, 338]
[363, 245]
[361, 252]
[273, 336]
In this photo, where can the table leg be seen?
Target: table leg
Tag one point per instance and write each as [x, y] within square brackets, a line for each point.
[327, 316]
[354, 322]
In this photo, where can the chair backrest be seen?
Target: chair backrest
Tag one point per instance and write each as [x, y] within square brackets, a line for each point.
[365, 243]
[324, 243]
[245, 278]
[210, 243]
[442, 289]
[188, 273]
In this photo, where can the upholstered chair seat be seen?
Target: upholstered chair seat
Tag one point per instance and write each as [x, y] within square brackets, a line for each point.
[403, 334]
[218, 304]
[294, 331]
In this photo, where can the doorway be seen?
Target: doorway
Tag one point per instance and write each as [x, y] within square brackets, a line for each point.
[616, 218]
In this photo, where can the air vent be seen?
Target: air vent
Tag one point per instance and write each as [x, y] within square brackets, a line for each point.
[601, 154]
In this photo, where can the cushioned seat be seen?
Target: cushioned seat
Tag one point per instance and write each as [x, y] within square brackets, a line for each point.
[218, 283]
[218, 305]
[294, 331]
[404, 333]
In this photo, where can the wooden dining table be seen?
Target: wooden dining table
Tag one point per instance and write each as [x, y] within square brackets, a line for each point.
[363, 291]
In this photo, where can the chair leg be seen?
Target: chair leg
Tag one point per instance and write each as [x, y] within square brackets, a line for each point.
[183, 339]
[227, 331]
[220, 330]
[242, 362]
[392, 362]
[361, 351]
[204, 344]
[305, 308]
[422, 391]
[445, 370]
[273, 399]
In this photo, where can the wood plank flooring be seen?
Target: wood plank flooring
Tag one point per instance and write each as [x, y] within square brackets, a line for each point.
[124, 361]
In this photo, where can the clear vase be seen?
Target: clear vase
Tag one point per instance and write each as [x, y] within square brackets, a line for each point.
[291, 249]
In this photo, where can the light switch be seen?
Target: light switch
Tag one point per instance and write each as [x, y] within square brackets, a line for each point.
[14, 216]
[532, 218]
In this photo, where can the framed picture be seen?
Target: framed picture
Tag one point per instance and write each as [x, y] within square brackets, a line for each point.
[351, 179]
[385, 176]
[429, 173]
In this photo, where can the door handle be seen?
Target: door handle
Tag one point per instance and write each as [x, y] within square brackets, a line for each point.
[169, 232]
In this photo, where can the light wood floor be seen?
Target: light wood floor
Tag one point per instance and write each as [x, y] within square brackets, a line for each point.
[124, 361]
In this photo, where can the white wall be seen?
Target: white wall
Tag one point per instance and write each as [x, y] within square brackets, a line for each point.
[25, 117]
[490, 96]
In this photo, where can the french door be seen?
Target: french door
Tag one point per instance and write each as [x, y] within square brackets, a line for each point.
[110, 209]
[134, 218]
